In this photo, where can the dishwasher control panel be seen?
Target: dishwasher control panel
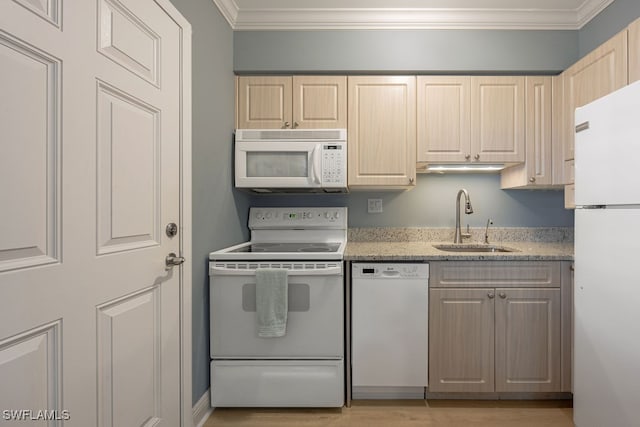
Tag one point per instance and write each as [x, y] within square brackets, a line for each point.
[398, 270]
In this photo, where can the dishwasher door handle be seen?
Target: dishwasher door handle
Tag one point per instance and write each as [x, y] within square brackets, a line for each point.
[391, 273]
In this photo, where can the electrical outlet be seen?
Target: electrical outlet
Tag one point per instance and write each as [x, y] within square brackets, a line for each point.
[374, 205]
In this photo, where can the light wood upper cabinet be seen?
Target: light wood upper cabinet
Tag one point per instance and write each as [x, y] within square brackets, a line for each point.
[471, 119]
[597, 74]
[263, 102]
[634, 50]
[558, 126]
[320, 102]
[536, 171]
[497, 119]
[285, 102]
[382, 131]
[444, 119]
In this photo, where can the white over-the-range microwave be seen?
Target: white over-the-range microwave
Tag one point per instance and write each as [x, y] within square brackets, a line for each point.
[291, 160]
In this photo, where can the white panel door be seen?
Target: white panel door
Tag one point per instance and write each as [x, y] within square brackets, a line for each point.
[90, 102]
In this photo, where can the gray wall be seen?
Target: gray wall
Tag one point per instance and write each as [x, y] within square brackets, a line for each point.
[219, 212]
[608, 23]
[409, 51]
[432, 204]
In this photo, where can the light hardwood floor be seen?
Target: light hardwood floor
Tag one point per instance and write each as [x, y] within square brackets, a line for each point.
[437, 413]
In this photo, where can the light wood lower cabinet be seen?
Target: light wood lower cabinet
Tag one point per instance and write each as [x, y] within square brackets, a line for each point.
[461, 340]
[501, 338]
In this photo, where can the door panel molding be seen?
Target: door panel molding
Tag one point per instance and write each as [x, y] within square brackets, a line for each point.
[30, 226]
[49, 10]
[125, 39]
[129, 346]
[36, 352]
[128, 212]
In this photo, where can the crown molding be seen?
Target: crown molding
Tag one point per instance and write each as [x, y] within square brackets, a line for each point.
[230, 11]
[406, 18]
[589, 10]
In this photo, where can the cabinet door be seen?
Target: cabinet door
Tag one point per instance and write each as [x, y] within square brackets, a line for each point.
[319, 102]
[558, 125]
[497, 119]
[264, 102]
[527, 342]
[382, 131]
[634, 51]
[597, 74]
[461, 340]
[444, 119]
[537, 168]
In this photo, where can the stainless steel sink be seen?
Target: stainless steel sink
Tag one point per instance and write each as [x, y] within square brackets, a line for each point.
[473, 248]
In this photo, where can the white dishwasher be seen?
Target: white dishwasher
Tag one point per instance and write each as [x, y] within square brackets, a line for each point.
[389, 330]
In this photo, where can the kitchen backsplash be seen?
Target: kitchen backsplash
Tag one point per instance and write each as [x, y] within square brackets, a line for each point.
[496, 234]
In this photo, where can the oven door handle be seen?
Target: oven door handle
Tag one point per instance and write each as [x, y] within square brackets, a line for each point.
[221, 270]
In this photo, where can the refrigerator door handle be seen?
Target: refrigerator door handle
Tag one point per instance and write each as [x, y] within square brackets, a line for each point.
[582, 126]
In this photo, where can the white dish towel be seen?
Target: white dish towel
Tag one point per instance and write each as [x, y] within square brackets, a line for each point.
[271, 302]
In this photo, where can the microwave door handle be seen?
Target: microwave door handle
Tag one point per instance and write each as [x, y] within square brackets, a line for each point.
[316, 164]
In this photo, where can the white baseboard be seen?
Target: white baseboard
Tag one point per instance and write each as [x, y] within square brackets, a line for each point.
[202, 409]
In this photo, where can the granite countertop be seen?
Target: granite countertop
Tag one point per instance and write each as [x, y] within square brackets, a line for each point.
[416, 244]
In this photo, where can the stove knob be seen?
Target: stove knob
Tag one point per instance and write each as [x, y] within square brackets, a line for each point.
[268, 215]
[327, 215]
[257, 215]
[336, 215]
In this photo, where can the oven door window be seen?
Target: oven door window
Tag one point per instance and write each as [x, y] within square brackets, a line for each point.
[269, 164]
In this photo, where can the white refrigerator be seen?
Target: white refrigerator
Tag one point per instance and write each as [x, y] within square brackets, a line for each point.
[607, 261]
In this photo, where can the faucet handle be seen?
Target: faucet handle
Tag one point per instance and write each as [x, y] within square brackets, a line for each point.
[467, 234]
[486, 231]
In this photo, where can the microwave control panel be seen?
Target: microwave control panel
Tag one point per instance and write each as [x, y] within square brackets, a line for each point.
[334, 164]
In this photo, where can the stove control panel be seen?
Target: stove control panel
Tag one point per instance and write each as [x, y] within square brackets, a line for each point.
[292, 218]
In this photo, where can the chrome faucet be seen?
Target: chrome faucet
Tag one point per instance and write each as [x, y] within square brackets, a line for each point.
[467, 210]
[486, 231]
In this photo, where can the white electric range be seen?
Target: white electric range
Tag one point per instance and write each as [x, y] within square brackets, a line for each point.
[305, 367]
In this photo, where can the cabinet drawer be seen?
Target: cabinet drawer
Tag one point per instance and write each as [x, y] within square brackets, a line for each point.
[471, 274]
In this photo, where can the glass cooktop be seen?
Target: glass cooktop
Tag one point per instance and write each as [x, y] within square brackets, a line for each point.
[288, 247]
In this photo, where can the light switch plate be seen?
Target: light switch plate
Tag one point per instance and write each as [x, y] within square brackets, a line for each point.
[374, 205]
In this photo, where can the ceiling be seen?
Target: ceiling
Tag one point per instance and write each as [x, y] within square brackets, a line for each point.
[409, 14]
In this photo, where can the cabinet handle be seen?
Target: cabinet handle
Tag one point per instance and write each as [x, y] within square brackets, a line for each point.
[477, 157]
[502, 295]
[532, 179]
[287, 124]
[572, 268]
[467, 156]
[410, 180]
[491, 295]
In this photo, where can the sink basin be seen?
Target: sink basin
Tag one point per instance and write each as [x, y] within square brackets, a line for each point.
[473, 248]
